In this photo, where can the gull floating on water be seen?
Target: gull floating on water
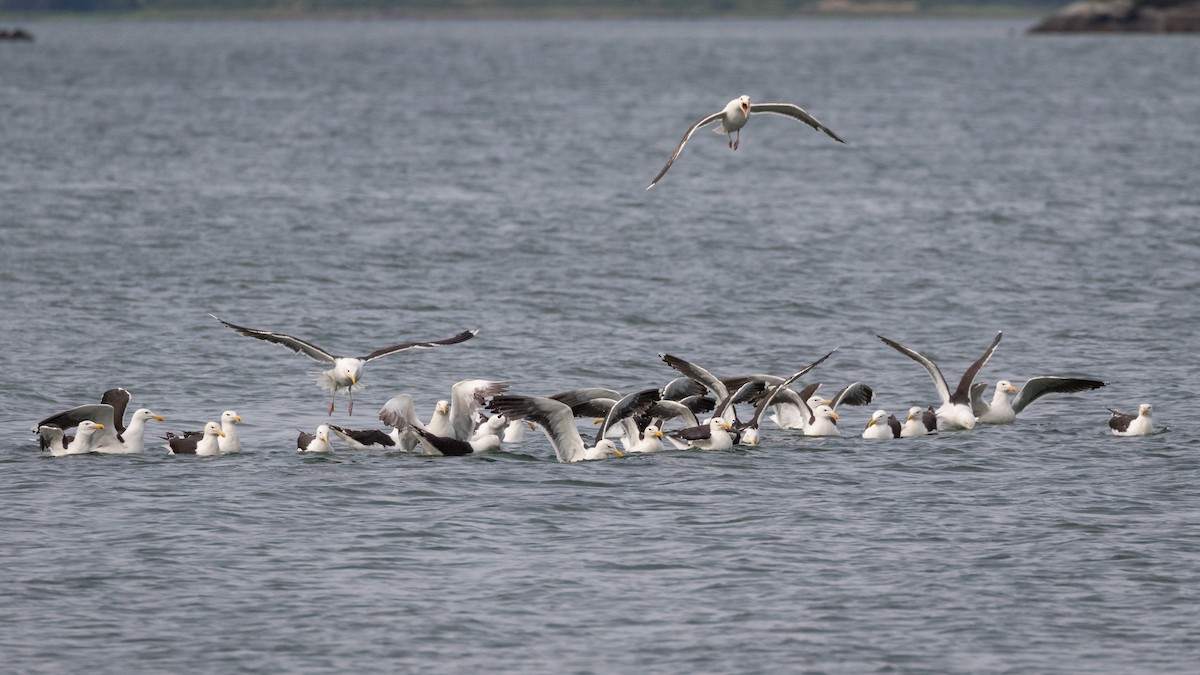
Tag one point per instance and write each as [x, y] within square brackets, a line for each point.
[882, 426]
[1141, 424]
[53, 439]
[734, 116]
[200, 443]
[318, 442]
[112, 436]
[955, 411]
[347, 370]
[919, 422]
[1002, 411]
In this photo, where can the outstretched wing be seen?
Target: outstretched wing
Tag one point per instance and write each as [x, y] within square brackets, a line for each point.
[939, 380]
[633, 404]
[387, 351]
[853, 394]
[1037, 387]
[795, 112]
[554, 417]
[293, 343]
[688, 134]
[765, 401]
[698, 374]
[963, 393]
[100, 413]
[119, 400]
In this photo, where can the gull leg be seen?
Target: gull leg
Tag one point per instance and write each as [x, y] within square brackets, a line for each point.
[331, 400]
[350, 391]
[738, 142]
[731, 145]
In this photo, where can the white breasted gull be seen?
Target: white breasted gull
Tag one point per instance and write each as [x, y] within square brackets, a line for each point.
[919, 422]
[114, 436]
[1003, 411]
[200, 443]
[734, 116]
[346, 370]
[1141, 424]
[53, 438]
[316, 442]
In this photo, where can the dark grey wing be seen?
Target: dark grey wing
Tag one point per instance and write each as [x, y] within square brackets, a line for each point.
[301, 442]
[963, 393]
[699, 405]
[678, 149]
[979, 407]
[689, 369]
[187, 443]
[574, 397]
[450, 447]
[853, 394]
[795, 112]
[736, 382]
[895, 426]
[939, 380]
[629, 406]
[929, 419]
[99, 413]
[119, 400]
[50, 436]
[293, 343]
[698, 433]
[387, 351]
[1120, 421]
[1036, 387]
[554, 417]
[364, 436]
[765, 402]
[682, 387]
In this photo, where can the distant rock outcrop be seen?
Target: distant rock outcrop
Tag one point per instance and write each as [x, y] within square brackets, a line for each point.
[15, 34]
[1119, 16]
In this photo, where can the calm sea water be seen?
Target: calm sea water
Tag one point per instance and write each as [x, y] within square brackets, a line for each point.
[361, 184]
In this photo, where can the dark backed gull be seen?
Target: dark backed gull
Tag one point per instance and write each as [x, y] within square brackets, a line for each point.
[747, 433]
[201, 443]
[882, 426]
[227, 441]
[318, 442]
[1141, 424]
[53, 438]
[365, 439]
[558, 423]
[919, 422]
[734, 116]
[346, 370]
[1002, 411]
[432, 444]
[712, 436]
[955, 411]
[114, 436]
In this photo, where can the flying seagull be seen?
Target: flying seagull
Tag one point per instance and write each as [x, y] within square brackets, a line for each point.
[735, 115]
[346, 370]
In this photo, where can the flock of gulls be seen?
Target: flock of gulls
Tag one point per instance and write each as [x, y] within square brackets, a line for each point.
[696, 410]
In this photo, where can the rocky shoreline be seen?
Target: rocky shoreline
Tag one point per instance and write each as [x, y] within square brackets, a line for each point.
[1123, 16]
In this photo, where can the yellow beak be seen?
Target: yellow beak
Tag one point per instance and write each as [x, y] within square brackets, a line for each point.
[870, 422]
[836, 416]
[237, 418]
[99, 426]
[618, 453]
[158, 417]
[221, 434]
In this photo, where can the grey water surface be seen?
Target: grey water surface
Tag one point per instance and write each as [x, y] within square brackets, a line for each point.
[365, 183]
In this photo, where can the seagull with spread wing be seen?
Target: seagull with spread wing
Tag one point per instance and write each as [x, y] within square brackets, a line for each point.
[346, 370]
[734, 116]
